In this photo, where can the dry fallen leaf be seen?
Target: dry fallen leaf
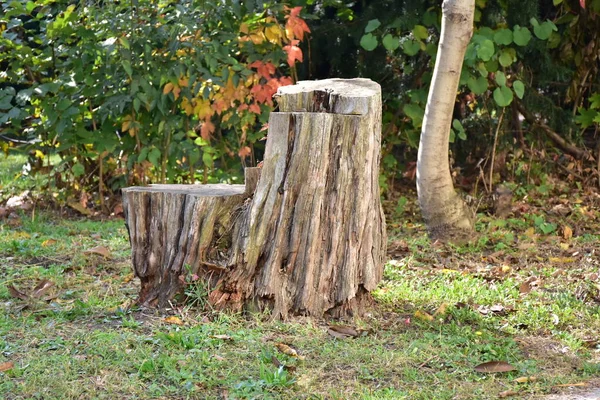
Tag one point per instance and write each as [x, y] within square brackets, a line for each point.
[279, 364]
[461, 304]
[441, 309]
[567, 232]
[497, 308]
[16, 293]
[118, 210]
[342, 331]
[5, 366]
[578, 384]
[530, 232]
[524, 288]
[41, 288]
[525, 379]
[79, 208]
[507, 393]
[100, 250]
[424, 316]
[173, 320]
[287, 350]
[221, 337]
[561, 260]
[494, 367]
[48, 242]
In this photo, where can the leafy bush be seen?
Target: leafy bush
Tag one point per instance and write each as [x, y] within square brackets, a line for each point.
[130, 93]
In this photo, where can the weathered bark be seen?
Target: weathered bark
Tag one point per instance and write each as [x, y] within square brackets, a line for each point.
[309, 240]
[446, 215]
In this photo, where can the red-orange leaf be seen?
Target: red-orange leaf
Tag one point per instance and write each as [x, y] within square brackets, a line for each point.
[244, 152]
[294, 53]
[266, 70]
[295, 26]
[207, 129]
[263, 93]
[255, 108]
[285, 81]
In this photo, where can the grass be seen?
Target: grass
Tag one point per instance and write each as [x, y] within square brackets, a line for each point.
[83, 338]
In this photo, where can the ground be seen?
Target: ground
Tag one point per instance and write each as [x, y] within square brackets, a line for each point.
[526, 294]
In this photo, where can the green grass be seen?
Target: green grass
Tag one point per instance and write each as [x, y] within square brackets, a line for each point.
[84, 339]
[14, 178]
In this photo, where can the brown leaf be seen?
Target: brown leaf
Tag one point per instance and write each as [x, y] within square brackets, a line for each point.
[524, 287]
[276, 362]
[279, 364]
[173, 320]
[342, 331]
[100, 250]
[118, 210]
[16, 293]
[5, 366]
[41, 288]
[507, 393]
[492, 367]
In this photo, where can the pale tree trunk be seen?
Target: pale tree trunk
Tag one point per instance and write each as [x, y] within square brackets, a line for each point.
[307, 237]
[446, 215]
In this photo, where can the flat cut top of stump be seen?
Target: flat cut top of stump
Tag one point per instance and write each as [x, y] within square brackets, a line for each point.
[335, 96]
[212, 190]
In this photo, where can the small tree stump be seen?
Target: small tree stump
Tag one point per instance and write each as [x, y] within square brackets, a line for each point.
[309, 239]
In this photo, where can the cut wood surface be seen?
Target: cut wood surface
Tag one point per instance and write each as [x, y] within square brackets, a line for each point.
[307, 237]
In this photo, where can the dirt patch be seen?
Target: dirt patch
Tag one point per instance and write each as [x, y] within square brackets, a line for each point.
[591, 391]
[553, 357]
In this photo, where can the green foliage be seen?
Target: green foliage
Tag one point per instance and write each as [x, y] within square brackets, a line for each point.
[125, 102]
[188, 103]
[590, 116]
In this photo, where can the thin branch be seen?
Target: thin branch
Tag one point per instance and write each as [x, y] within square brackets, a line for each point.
[558, 140]
[494, 148]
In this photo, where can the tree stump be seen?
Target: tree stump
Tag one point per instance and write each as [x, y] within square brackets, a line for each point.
[307, 237]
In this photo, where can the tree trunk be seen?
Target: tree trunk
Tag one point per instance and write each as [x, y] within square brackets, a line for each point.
[446, 215]
[309, 240]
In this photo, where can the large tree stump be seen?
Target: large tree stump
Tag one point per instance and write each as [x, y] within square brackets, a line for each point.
[309, 239]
